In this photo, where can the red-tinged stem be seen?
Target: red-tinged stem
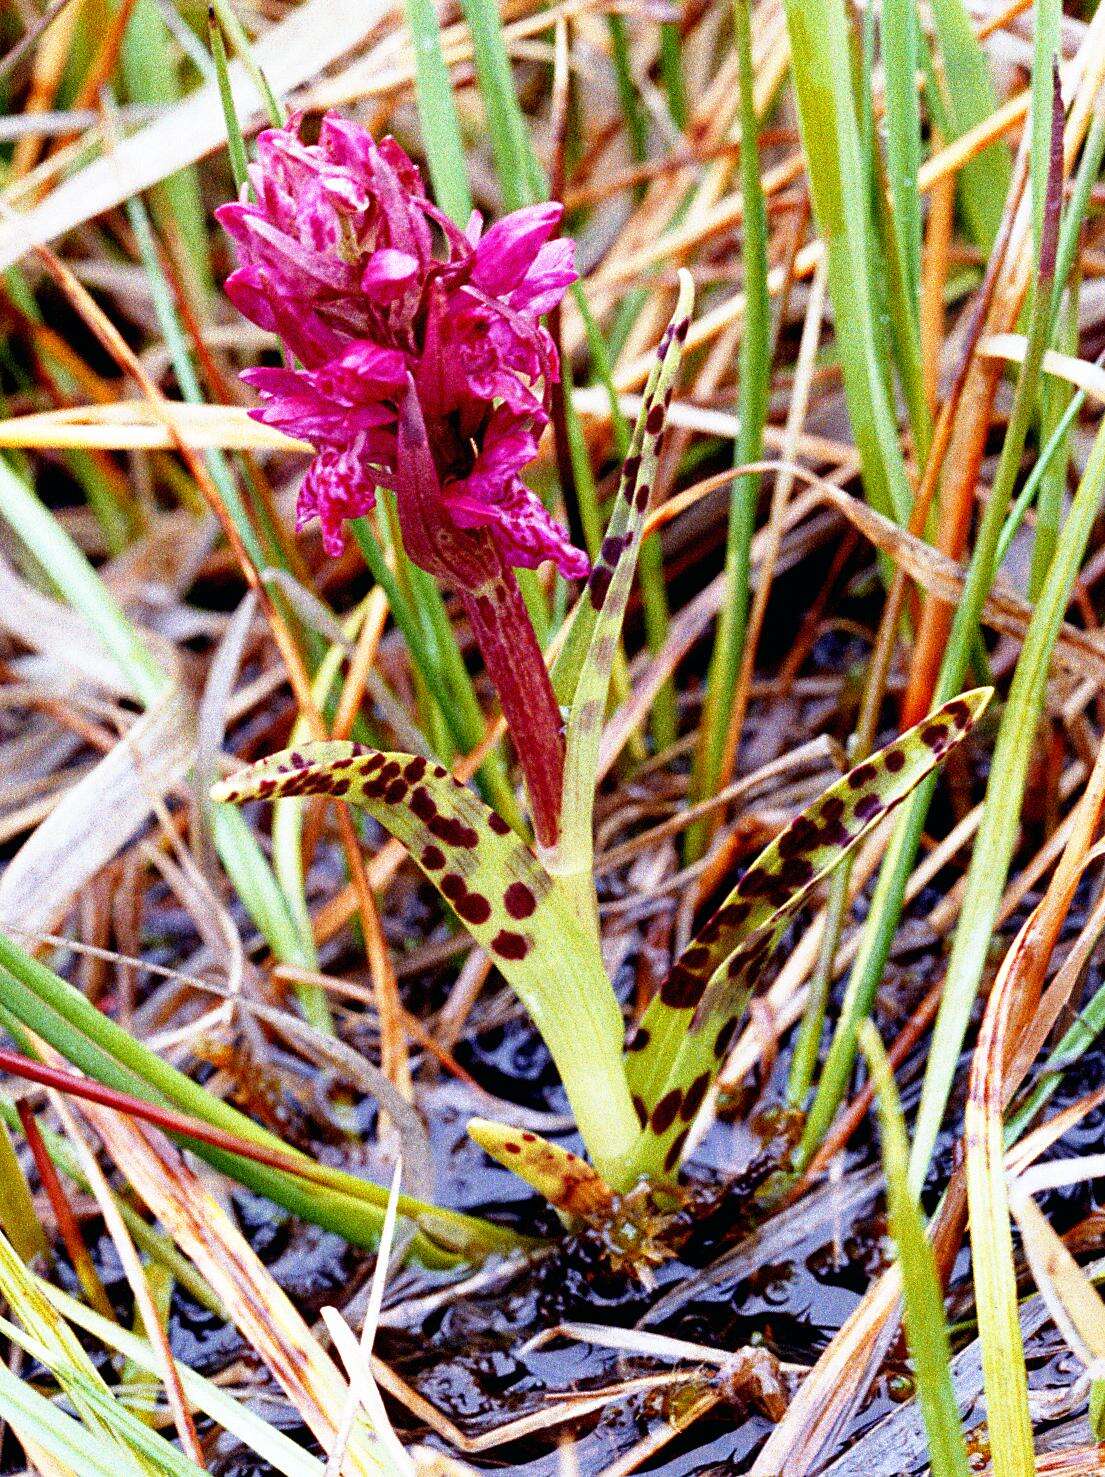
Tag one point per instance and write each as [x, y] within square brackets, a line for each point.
[64, 1215]
[512, 655]
[180, 1124]
[469, 560]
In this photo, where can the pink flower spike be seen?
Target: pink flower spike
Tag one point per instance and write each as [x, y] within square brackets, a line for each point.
[337, 487]
[389, 274]
[419, 367]
[505, 253]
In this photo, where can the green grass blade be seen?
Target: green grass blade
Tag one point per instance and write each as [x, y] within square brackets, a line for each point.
[72, 574]
[63, 1354]
[901, 51]
[72, 1444]
[993, 1267]
[437, 113]
[178, 200]
[717, 745]
[925, 1326]
[51, 1008]
[236, 144]
[228, 20]
[521, 177]
[968, 101]
[633, 111]
[1059, 404]
[1000, 824]
[263, 1438]
[1046, 15]
[887, 902]
[820, 41]
[671, 72]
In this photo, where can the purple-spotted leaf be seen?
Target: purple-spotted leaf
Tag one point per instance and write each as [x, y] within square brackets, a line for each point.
[566, 1181]
[602, 607]
[687, 1028]
[542, 944]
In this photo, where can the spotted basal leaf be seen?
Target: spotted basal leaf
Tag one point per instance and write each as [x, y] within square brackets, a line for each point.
[543, 945]
[565, 1180]
[686, 1030]
[599, 620]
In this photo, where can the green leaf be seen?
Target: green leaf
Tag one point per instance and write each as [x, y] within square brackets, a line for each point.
[137, 1449]
[599, 619]
[235, 143]
[530, 926]
[969, 100]
[901, 48]
[563, 1178]
[925, 1325]
[821, 48]
[521, 177]
[51, 1008]
[437, 113]
[718, 738]
[689, 1024]
[1000, 824]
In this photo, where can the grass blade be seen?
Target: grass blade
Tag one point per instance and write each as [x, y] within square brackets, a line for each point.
[925, 1325]
[437, 113]
[968, 101]
[718, 737]
[831, 142]
[1000, 823]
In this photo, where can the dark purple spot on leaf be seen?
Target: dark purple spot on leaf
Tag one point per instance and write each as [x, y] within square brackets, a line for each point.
[519, 900]
[682, 988]
[510, 945]
[725, 1037]
[675, 1151]
[664, 1113]
[473, 908]
[796, 873]
[694, 1097]
[599, 585]
[868, 808]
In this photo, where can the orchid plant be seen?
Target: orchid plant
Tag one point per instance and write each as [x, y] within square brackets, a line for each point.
[418, 363]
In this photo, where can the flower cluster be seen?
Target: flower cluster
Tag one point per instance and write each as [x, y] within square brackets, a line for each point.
[398, 318]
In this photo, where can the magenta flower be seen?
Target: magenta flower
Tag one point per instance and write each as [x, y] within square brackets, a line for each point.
[422, 367]
[337, 258]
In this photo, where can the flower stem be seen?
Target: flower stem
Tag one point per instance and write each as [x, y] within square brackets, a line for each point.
[516, 666]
